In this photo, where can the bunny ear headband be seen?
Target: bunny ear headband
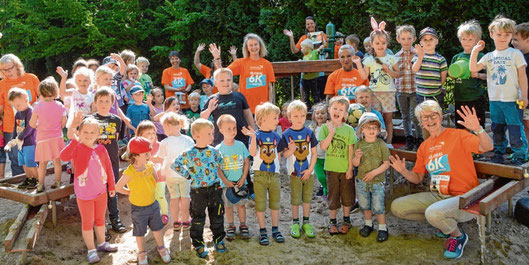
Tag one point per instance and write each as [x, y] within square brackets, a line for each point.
[378, 27]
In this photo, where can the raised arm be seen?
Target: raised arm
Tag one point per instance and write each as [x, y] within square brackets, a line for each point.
[290, 35]
[63, 93]
[474, 66]
[196, 59]
[400, 166]
[420, 55]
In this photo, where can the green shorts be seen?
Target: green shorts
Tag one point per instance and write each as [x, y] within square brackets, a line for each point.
[301, 190]
[266, 181]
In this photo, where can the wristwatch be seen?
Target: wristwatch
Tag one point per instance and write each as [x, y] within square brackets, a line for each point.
[480, 131]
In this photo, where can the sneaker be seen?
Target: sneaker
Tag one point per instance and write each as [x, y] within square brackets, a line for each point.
[142, 258]
[220, 247]
[56, 185]
[366, 230]
[355, 208]
[40, 188]
[202, 252]
[320, 191]
[117, 226]
[107, 247]
[93, 257]
[24, 184]
[456, 246]
[32, 184]
[517, 161]
[497, 159]
[164, 254]
[382, 235]
[442, 235]
[308, 229]
[294, 230]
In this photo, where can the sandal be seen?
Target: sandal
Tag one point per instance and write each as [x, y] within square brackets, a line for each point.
[344, 228]
[245, 232]
[263, 239]
[202, 252]
[142, 258]
[177, 226]
[164, 254]
[230, 233]
[186, 225]
[333, 230]
[220, 247]
[278, 237]
[93, 257]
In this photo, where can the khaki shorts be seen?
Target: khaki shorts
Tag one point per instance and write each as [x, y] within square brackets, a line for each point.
[340, 190]
[301, 191]
[264, 182]
[178, 187]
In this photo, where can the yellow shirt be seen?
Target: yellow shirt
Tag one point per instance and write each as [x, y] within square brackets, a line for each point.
[141, 184]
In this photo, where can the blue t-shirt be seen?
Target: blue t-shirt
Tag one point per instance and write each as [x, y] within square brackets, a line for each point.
[199, 165]
[379, 115]
[268, 148]
[305, 140]
[138, 113]
[233, 157]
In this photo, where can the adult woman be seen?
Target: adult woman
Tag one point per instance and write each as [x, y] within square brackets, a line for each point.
[13, 75]
[344, 81]
[447, 156]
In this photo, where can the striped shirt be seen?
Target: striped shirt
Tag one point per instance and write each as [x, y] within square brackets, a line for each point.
[428, 79]
[406, 82]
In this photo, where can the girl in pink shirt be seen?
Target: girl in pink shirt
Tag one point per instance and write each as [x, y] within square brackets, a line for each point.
[49, 117]
[93, 173]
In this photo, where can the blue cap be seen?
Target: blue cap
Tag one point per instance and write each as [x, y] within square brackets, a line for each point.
[206, 81]
[108, 60]
[235, 194]
[136, 89]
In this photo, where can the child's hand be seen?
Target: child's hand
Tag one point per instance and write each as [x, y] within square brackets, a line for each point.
[201, 47]
[77, 119]
[349, 174]
[369, 176]
[115, 56]
[357, 60]
[62, 72]
[214, 50]
[385, 68]
[213, 104]
[112, 193]
[233, 51]
[480, 46]
[305, 174]
[229, 184]
[418, 50]
[288, 33]
[149, 99]
[291, 146]
[474, 74]
[358, 153]
[240, 183]
[331, 127]
[396, 163]
[248, 131]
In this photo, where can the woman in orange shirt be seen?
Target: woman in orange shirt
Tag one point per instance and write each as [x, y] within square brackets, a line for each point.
[344, 81]
[13, 75]
[176, 80]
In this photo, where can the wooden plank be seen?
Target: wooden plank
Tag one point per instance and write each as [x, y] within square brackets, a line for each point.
[501, 195]
[297, 67]
[476, 193]
[36, 226]
[15, 228]
[21, 177]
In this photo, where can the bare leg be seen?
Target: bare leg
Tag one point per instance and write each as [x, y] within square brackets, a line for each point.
[346, 211]
[100, 234]
[184, 209]
[57, 168]
[275, 217]
[295, 211]
[368, 215]
[42, 171]
[88, 237]
[381, 219]
[141, 244]
[332, 214]
[241, 212]
[388, 121]
[306, 209]
[261, 219]
[158, 236]
[229, 214]
[32, 172]
[175, 209]
[2, 168]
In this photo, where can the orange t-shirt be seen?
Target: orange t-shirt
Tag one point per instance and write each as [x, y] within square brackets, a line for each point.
[336, 49]
[342, 83]
[206, 72]
[450, 154]
[177, 78]
[28, 82]
[304, 37]
[255, 75]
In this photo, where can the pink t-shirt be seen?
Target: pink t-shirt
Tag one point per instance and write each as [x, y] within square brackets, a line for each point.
[49, 123]
[91, 183]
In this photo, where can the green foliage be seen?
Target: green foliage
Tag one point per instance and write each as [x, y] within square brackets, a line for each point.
[46, 33]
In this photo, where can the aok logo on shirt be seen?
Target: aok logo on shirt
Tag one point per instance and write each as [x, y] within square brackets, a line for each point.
[256, 68]
[438, 165]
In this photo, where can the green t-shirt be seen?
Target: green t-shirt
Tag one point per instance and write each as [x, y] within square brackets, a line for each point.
[467, 89]
[146, 83]
[313, 55]
[337, 154]
[374, 154]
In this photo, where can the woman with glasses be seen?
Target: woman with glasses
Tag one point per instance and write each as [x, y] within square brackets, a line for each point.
[447, 157]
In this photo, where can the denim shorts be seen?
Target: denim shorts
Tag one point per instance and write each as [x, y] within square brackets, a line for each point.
[371, 196]
[146, 216]
[26, 156]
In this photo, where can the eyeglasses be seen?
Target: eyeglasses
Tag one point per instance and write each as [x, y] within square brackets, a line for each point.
[8, 69]
[431, 117]
[370, 127]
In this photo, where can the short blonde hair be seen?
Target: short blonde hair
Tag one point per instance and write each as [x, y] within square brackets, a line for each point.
[428, 105]
[103, 70]
[222, 71]
[85, 72]
[127, 55]
[406, 28]
[225, 118]
[262, 51]
[130, 68]
[523, 30]
[92, 62]
[502, 23]
[144, 126]
[296, 105]
[367, 41]
[470, 27]
[363, 89]
[200, 124]
[89, 121]
[174, 119]
[11, 58]
[307, 43]
[264, 110]
[142, 60]
[16, 92]
[339, 99]
[346, 47]
[194, 95]
[49, 87]
[78, 64]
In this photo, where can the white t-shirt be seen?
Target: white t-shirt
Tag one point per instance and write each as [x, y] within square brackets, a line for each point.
[502, 74]
[170, 148]
[379, 79]
[79, 102]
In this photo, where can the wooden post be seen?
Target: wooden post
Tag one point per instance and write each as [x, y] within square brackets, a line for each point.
[291, 87]
[36, 226]
[15, 228]
[489, 220]
[510, 208]
[54, 213]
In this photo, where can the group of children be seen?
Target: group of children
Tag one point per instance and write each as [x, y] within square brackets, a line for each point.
[350, 163]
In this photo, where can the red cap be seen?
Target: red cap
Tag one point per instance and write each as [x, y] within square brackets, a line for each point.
[139, 145]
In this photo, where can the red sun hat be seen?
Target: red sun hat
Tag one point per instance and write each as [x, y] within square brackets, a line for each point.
[139, 145]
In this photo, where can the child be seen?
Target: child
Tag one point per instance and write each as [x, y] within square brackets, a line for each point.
[129, 57]
[367, 46]
[520, 41]
[92, 175]
[319, 117]
[131, 73]
[382, 68]
[201, 164]
[140, 178]
[110, 125]
[170, 148]
[371, 156]
[266, 152]
[506, 84]
[405, 85]
[138, 111]
[354, 41]
[207, 88]
[155, 103]
[79, 98]
[364, 97]
[235, 166]
[145, 79]
[345, 81]
[49, 117]
[283, 121]
[309, 81]
[92, 64]
[467, 89]
[170, 104]
[300, 167]
[147, 130]
[176, 80]
[337, 139]
[24, 136]
[193, 112]
[118, 66]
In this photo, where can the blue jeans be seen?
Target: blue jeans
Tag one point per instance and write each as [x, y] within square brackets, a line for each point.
[507, 116]
[439, 98]
[407, 103]
[371, 196]
[13, 156]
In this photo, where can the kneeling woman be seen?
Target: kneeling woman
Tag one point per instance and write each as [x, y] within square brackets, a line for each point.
[447, 157]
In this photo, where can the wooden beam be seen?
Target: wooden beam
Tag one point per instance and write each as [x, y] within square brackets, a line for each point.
[15, 228]
[501, 195]
[36, 225]
[287, 68]
[19, 178]
[476, 193]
